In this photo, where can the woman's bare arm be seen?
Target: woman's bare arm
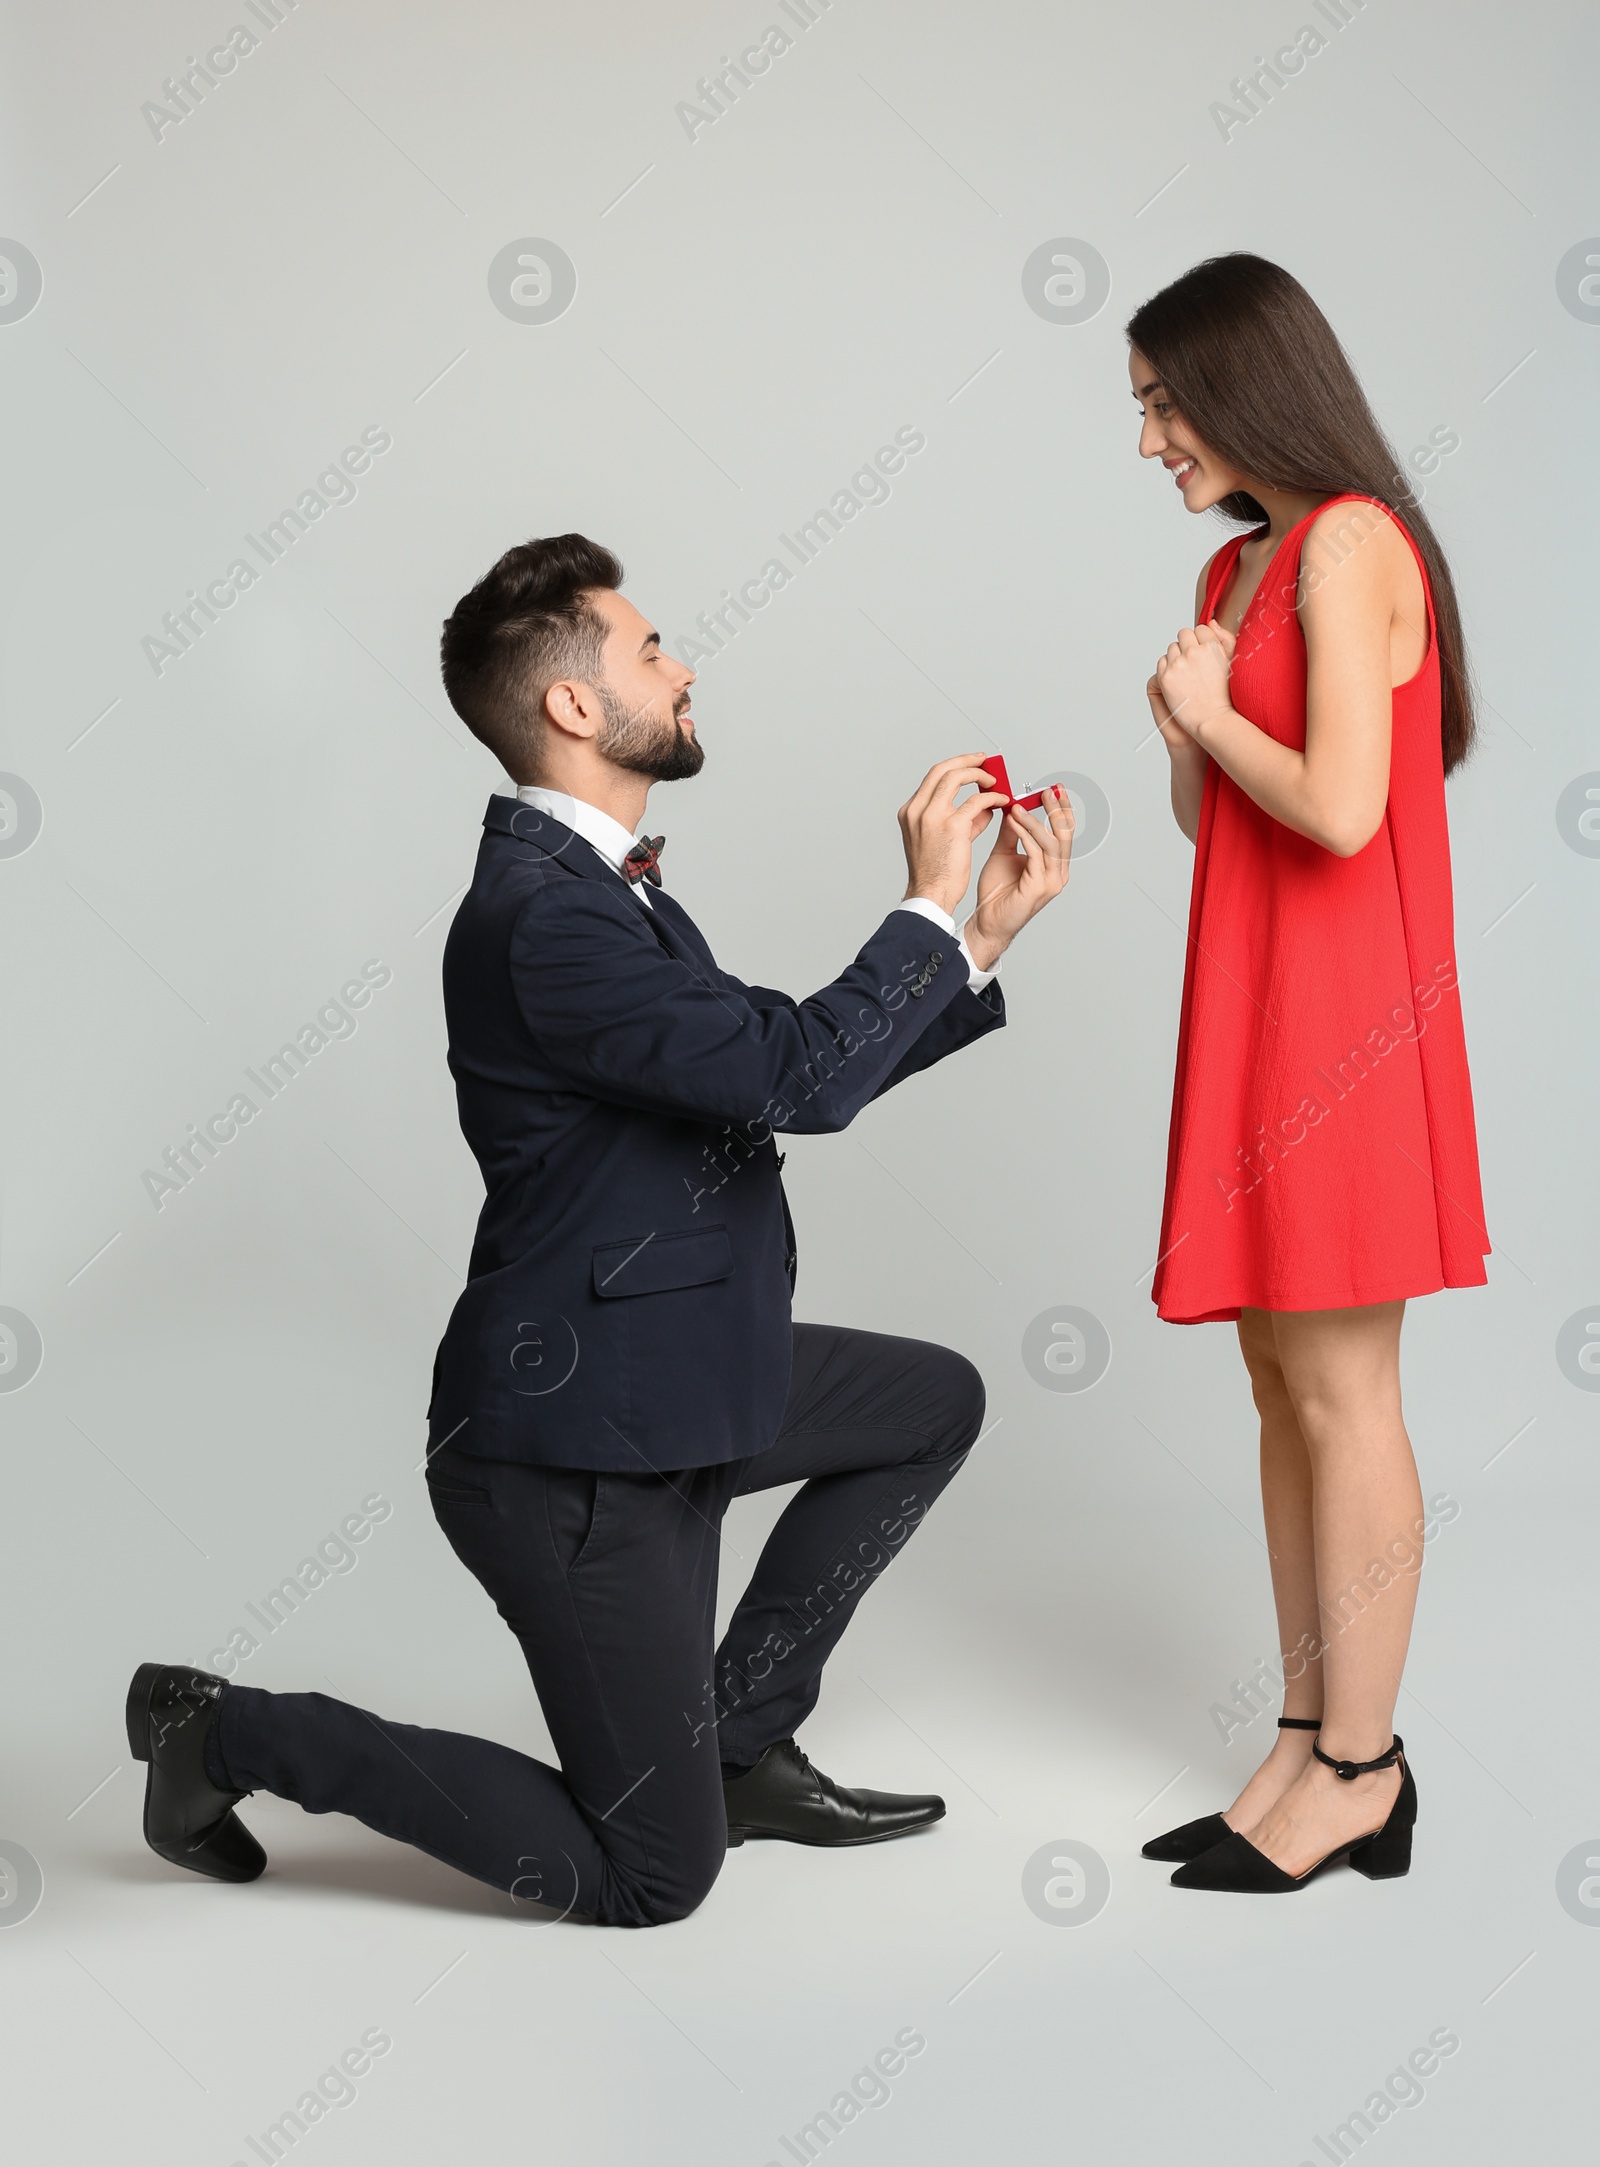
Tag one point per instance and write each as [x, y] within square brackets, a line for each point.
[1360, 600]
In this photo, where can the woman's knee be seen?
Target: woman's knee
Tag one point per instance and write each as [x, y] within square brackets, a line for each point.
[1342, 1393]
[1339, 1360]
[1268, 1386]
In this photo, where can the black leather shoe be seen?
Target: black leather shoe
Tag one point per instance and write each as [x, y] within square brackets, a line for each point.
[1195, 1838]
[187, 1820]
[784, 1797]
[1383, 1854]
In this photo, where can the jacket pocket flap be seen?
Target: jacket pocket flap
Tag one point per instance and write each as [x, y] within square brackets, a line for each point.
[658, 1262]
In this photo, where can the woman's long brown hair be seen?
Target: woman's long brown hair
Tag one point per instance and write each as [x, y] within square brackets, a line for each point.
[1253, 366]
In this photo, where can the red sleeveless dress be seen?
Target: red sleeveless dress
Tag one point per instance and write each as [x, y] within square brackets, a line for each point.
[1322, 1152]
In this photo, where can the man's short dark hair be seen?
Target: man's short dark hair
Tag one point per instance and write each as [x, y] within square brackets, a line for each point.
[526, 624]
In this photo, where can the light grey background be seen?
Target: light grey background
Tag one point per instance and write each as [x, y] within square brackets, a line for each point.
[223, 845]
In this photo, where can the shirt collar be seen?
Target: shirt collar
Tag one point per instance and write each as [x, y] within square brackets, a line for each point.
[608, 836]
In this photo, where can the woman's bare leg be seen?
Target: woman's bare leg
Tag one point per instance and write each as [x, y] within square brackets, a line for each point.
[1286, 1510]
[1341, 1371]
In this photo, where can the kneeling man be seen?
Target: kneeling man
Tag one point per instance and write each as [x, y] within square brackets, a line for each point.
[623, 1363]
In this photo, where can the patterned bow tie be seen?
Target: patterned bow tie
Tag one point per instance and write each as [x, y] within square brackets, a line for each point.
[643, 860]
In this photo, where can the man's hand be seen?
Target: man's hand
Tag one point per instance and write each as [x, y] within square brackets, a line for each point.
[1192, 680]
[1027, 868]
[939, 834]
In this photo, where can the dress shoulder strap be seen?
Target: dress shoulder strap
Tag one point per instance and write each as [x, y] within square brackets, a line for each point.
[1223, 566]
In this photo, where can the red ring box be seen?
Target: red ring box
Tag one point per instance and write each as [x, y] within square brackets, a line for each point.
[995, 768]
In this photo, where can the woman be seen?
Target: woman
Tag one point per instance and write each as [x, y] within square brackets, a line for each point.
[1322, 1163]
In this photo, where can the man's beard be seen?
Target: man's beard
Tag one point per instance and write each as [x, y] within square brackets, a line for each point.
[645, 744]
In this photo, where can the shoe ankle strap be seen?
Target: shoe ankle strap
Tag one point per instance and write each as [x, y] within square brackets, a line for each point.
[1299, 1723]
[1347, 1771]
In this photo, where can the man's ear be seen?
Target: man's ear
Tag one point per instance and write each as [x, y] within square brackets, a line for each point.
[572, 707]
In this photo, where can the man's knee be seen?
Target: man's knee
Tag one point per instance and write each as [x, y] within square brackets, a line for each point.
[664, 1904]
[962, 1400]
[671, 1887]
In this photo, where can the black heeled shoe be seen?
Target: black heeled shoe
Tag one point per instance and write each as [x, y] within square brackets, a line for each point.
[187, 1820]
[1383, 1854]
[1195, 1838]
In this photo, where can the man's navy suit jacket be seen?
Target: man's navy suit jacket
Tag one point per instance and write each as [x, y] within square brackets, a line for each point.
[627, 1302]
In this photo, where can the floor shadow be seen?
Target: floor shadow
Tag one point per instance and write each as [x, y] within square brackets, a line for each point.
[386, 1874]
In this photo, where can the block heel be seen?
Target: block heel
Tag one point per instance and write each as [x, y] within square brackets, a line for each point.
[1384, 1857]
[1387, 1856]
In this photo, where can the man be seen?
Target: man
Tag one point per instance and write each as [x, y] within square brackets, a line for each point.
[622, 1362]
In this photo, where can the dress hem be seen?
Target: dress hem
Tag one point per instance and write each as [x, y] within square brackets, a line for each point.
[1228, 1313]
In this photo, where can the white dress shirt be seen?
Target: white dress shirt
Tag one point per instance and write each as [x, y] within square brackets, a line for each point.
[612, 840]
[608, 836]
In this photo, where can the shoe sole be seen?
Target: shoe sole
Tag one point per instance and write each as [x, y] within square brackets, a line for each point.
[737, 1836]
[137, 1712]
[136, 1717]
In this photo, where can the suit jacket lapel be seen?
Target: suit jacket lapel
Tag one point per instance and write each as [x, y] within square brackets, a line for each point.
[671, 923]
[680, 933]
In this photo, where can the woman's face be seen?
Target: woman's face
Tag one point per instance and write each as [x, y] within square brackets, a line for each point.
[1202, 479]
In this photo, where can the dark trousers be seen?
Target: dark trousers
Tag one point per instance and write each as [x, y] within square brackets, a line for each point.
[609, 1581]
